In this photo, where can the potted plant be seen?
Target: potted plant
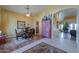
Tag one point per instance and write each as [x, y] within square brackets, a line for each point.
[65, 26]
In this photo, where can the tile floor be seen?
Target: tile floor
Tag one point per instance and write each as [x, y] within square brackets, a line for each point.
[62, 41]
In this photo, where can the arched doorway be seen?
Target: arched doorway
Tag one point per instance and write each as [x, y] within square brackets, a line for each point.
[65, 21]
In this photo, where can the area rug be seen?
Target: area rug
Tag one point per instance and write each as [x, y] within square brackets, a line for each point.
[10, 47]
[44, 48]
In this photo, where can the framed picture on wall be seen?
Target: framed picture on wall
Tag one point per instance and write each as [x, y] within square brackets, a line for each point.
[20, 24]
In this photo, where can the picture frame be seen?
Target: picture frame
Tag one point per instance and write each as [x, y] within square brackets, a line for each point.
[20, 24]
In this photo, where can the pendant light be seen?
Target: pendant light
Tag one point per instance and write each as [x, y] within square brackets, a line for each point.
[28, 14]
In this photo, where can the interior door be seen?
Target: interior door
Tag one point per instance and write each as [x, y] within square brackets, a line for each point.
[46, 28]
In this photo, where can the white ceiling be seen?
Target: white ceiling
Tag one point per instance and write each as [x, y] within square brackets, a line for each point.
[70, 12]
[37, 8]
[22, 8]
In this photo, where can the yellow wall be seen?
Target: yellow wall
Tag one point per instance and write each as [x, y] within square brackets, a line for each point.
[0, 18]
[70, 19]
[9, 20]
[4, 20]
[39, 17]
